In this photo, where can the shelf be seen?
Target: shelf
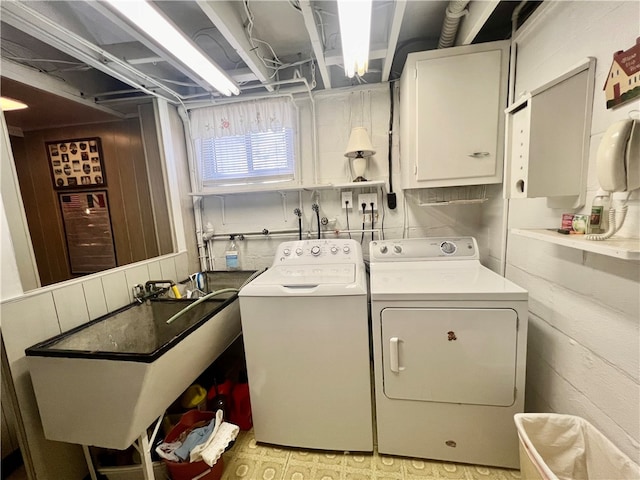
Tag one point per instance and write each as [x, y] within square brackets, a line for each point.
[461, 195]
[625, 248]
[238, 189]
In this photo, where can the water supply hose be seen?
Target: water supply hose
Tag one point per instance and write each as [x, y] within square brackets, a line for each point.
[253, 275]
[200, 300]
[316, 209]
[298, 213]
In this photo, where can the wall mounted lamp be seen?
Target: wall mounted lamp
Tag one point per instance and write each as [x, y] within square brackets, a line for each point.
[164, 33]
[359, 149]
[355, 32]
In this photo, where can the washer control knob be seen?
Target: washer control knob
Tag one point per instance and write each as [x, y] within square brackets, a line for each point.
[383, 249]
[298, 251]
[397, 248]
[334, 250]
[448, 248]
[286, 252]
[346, 249]
[315, 250]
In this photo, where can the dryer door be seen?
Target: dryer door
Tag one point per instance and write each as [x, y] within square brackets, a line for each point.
[452, 355]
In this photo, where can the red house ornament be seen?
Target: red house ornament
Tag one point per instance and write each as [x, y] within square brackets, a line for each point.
[623, 80]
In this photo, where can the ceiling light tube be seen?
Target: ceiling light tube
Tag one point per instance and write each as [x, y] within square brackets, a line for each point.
[355, 31]
[9, 104]
[153, 23]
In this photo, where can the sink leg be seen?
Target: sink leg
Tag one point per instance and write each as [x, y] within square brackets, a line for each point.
[145, 453]
[89, 460]
[143, 445]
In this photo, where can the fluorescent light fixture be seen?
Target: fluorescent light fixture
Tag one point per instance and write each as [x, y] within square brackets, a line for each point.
[355, 30]
[8, 104]
[153, 23]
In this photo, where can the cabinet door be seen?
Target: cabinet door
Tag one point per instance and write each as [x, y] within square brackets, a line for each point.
[458, 114]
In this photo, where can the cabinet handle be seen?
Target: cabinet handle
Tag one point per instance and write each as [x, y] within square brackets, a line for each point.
[478, 154]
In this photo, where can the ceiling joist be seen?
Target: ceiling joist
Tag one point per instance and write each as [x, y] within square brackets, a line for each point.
[316, 42]
[376, 52]
[227, 20]
[474, 20]
[49, 84]
[394, 32]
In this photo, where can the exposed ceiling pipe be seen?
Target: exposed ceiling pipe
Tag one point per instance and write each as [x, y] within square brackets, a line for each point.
[514, 51]
[455, 10]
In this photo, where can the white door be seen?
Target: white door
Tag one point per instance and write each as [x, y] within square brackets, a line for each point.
[452, 355]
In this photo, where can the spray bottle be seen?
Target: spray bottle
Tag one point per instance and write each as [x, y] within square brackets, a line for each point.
[231, 254]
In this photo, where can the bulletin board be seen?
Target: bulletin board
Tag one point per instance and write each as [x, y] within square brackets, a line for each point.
[76, 163]
[87, 226]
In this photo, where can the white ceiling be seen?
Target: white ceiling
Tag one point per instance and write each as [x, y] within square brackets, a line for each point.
[99, 58]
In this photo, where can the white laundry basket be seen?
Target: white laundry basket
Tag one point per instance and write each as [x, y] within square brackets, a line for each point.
[566, 447]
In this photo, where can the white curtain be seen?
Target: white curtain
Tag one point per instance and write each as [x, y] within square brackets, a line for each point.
[242, 118]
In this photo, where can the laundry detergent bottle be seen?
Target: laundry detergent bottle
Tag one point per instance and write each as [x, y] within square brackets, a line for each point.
[231, 254]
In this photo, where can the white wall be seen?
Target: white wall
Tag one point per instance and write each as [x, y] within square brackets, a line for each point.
[584, 349]
[337, 111]
[15, 241]
[10, 284]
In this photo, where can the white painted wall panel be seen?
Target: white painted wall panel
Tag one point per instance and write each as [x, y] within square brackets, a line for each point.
[595, 326]
[71, 306]
[584, 330]
[605, 385]
[550, 392]
[94, 296]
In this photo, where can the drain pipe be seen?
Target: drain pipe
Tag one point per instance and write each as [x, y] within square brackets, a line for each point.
[455, 10]
[512, 94]
[197, 201]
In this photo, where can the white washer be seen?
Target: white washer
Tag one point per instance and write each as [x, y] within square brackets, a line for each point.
[306, 336]
[449, 344]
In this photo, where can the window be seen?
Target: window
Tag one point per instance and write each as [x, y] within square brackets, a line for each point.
[259, 156]
[248, 142]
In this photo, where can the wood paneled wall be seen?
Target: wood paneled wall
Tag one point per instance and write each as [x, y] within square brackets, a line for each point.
[128, 187]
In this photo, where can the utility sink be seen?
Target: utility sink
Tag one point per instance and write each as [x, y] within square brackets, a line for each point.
[105, 382]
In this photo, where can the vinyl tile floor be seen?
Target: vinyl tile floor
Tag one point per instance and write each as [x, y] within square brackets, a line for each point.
[248, 460]
[253, 461]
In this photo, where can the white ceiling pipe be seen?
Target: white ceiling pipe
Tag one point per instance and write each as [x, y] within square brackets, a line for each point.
[455, 10]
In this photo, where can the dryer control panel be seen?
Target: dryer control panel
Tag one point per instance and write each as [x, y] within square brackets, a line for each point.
[314, 252]
[421, 249]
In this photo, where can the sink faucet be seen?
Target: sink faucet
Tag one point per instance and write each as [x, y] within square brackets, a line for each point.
[151, 289]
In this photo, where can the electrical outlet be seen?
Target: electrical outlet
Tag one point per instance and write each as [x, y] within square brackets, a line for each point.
[347, 197]
[368, 199]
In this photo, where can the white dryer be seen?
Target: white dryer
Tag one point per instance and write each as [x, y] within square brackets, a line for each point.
[306, 336]
[449, 344]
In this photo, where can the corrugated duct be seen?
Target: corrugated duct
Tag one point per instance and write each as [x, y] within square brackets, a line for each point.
[455, 10]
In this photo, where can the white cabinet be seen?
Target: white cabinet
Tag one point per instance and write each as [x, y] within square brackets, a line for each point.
[548, 132]
[451, 116]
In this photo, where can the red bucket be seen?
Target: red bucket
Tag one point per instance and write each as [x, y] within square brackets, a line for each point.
[186, 470]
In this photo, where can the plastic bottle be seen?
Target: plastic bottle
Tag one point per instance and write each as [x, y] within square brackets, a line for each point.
[231, 254]
[597, 212]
